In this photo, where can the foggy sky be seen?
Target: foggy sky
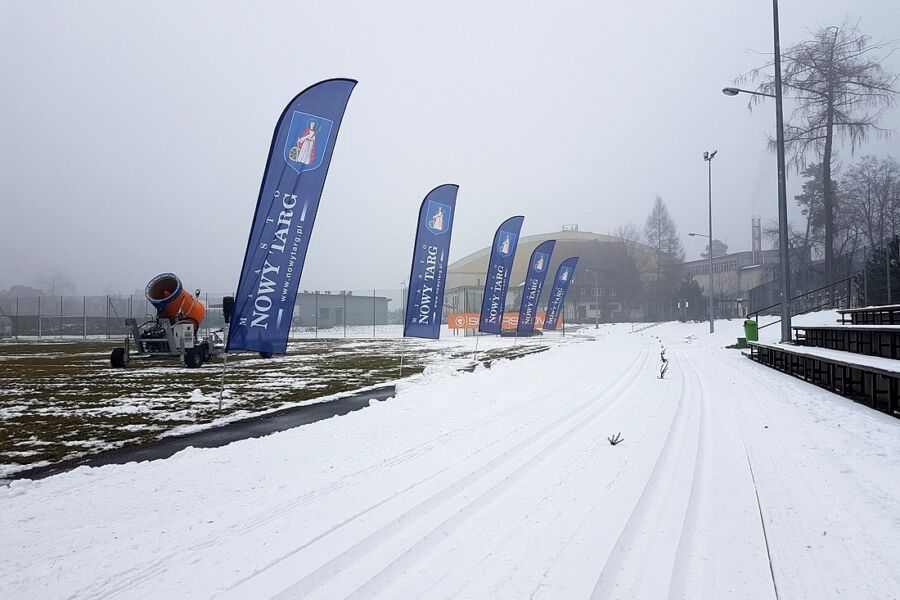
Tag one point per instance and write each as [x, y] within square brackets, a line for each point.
[134, 134]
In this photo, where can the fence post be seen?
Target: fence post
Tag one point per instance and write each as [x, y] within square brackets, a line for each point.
[374, 314]
[39, 318]
[60, 316]
[887, 269]
[84, 317]
[317, 315]
[107, 316]
[849, 281]
[345, 314]
[17, 317]
[865, 275]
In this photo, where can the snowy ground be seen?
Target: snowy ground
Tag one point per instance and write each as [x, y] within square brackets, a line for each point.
[60, 399]
[732, 479]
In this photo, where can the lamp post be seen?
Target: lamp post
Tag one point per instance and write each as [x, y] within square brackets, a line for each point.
[782, 180]
[596, 298]
[708, 157]
[712, 326]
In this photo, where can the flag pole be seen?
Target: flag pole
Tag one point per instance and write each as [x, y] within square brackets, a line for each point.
[222, 388]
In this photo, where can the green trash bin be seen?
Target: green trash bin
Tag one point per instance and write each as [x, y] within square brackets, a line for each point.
[751, 330]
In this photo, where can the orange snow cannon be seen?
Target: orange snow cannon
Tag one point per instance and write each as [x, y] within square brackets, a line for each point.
[166, 293]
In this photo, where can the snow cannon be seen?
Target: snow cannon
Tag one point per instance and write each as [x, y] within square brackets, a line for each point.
[175, 332]
[166, 293]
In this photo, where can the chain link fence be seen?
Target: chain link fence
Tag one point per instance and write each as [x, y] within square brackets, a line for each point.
[317, 313]
[359, 313]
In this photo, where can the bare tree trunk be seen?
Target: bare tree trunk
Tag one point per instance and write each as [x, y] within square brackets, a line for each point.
[828, 199]
[827, 184]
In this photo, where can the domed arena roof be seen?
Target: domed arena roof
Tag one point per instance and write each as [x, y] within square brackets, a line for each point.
[594, 249]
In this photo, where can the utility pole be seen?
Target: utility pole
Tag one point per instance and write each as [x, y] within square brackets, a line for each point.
[783, 249]
[708, 157]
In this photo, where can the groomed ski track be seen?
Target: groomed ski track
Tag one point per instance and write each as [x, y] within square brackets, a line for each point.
[731, 482]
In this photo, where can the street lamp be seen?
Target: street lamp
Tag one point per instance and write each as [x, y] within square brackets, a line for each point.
[709, 304]
[733, 91]
[708, 157]
[596, 298]
[782, 185]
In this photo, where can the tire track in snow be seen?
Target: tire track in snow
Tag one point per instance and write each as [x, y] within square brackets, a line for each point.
[113, 586]
[590, 543]
[424, 549]
[518, 563]
[693, 547]
[490, 474]
[647, 538]
[713, 561]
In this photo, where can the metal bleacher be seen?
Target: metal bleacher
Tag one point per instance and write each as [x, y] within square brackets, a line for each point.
[858, 358]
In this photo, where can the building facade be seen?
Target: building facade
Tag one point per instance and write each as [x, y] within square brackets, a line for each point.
[609, 282]
[734, 275]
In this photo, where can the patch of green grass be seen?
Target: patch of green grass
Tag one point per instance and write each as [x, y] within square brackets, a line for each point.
[57, 394]
[60, 400]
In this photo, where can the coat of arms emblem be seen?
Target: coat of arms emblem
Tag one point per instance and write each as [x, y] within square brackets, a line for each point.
[306, 141]
[437, 217]
[506, 242]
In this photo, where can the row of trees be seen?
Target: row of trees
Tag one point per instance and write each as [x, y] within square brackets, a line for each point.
[839, 88]
[866, 214]
[866, 203]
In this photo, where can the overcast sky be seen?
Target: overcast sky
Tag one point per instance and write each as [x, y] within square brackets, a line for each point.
[134, 134]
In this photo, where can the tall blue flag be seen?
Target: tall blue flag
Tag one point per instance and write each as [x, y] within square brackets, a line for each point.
[496, 283]
[534, 284]
[292, 184]
[428, 275]
[558, 294]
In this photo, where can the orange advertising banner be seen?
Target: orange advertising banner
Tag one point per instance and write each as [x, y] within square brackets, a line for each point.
[469, 320]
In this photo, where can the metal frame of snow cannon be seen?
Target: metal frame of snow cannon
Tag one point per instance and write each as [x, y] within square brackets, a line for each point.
[162, 339]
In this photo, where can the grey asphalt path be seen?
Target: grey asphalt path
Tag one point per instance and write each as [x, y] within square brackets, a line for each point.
[253, 427]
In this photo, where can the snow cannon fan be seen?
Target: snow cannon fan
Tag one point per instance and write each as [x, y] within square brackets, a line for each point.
[166, 293]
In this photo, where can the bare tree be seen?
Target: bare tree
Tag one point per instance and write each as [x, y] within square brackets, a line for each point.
[55, 282]
[630, 235]
[872, 189]
[840, 89]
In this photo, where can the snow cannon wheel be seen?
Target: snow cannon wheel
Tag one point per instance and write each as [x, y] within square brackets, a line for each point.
[117, 358]
[205, 352]
[193, 358]
[265, 355]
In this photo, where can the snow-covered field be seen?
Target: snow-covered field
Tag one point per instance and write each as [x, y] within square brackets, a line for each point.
[732, 480]
[60, 399]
